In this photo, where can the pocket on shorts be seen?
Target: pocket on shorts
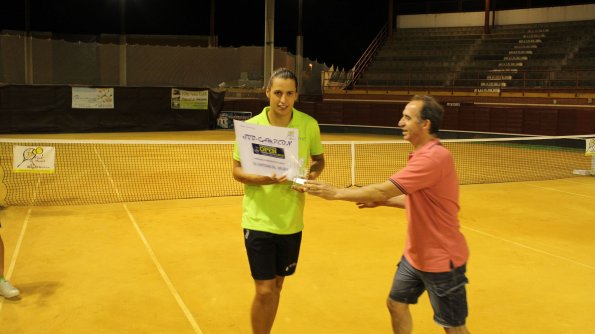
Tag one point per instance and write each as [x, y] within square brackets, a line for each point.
[452, 282]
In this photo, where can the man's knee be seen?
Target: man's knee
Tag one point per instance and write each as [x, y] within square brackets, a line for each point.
[396, 308]
[390, 304]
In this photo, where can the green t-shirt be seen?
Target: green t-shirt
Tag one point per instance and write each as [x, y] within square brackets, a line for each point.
[277, 208]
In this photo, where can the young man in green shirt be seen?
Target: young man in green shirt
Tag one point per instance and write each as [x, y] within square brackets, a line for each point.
[273, 211]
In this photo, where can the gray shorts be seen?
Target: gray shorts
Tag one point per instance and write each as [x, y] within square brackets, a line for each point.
[446, 291]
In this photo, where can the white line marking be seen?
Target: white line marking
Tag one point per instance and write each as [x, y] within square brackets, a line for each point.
[533, 248]
[529, 247]
[164, 275]
[17, 247]
[575, 181]
[152, 255]
[561, 191]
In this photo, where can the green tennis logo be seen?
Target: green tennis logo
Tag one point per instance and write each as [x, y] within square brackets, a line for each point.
[30, 154]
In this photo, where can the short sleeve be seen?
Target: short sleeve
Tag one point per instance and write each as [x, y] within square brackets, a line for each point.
[316, 147]
[420, 173]
[236, 152]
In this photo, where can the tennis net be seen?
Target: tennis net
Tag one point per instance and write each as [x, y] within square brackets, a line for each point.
[111, 171]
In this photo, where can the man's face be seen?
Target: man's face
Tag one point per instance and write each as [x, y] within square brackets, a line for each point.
[282, 96]
[410, 122]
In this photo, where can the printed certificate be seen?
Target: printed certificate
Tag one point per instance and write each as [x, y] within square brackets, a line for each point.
[265, 150]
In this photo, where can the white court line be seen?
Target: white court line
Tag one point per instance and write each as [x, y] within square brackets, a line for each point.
[529, 247]
[533, 248]
[575, 181]
[152, 255]
[17, 247]
[15, 254]
[164, 275]
[561, 191]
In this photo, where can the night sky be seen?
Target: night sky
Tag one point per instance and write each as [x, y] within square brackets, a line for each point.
[335, 31]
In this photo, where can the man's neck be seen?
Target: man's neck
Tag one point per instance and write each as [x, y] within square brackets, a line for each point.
[423, 141]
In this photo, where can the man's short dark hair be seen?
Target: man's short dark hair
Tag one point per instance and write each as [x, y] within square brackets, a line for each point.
[431, 110]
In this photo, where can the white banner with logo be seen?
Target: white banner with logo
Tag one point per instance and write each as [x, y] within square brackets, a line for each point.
[33, 159]
[188, 99]
[92, 98]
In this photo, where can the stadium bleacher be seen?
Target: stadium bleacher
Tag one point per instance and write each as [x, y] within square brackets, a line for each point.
[542, 55]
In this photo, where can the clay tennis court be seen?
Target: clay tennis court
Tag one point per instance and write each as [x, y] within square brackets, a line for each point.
[178, 266]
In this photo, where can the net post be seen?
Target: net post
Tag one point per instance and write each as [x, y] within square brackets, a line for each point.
[589, 151]
[353, 163]
[3, 190]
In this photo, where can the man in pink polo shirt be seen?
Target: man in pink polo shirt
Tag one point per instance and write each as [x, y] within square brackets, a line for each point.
[436, 252]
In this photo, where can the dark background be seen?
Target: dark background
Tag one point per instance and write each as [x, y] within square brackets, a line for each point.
[336, 32]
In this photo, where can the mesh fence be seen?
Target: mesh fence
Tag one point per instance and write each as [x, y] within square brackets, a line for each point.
[100, 171]
[61, 62]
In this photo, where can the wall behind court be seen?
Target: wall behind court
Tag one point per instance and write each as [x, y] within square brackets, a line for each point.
[60, 62]
[502, 17]
[530, 120]
[67, 62]
[48, 109]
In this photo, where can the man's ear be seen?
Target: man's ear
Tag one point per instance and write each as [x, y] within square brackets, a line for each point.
[426, 124]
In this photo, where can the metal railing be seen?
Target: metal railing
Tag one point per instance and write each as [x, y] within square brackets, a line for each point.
[367, 57]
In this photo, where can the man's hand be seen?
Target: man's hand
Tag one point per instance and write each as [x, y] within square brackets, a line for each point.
[367, 205]
[320, 189]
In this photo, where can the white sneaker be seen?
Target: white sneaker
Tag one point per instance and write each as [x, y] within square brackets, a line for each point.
[7, 290]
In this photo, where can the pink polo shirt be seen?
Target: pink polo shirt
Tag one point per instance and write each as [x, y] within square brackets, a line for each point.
[429, 180]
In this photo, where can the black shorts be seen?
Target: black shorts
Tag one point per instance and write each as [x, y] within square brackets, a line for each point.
[270, 254]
